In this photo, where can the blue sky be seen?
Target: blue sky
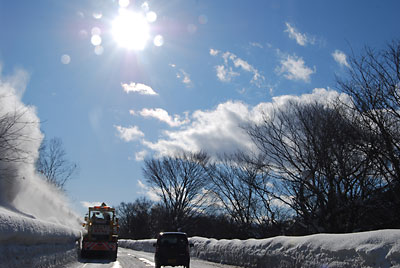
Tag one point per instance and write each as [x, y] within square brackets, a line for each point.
[205, 68]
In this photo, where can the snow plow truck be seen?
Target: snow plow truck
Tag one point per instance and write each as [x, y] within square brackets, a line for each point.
[101, 237]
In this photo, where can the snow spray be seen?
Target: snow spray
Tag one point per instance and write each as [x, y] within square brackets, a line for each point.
[22, 188]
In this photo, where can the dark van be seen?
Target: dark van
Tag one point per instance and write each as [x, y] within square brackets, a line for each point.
[172, 249]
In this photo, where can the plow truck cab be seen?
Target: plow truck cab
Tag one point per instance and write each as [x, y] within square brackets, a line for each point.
[101, 238]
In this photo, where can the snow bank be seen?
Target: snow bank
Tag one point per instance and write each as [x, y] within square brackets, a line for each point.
[18, 229]
[30, 242]
[366, 249]
[38, 256]
[140, 245]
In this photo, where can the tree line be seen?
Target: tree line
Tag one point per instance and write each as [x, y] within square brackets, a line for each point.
[319, 167]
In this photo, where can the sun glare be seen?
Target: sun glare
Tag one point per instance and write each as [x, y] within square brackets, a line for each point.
[130, 30]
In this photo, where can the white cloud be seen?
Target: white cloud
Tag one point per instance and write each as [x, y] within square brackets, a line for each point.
[139, 88]
[182, 75]
[214, 52]
[255, 44]
[294, 68]
[225, 72]
[301, 38]
[149, 192]
[340, 58]
[219, 130]
[214, 131]
[129, 133]
[243, 64]
[139, 156]
[163, 116]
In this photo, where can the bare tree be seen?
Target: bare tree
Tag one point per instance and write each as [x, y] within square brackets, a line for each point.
[241, 187]
[11, 135]
[179, 182]
[135, 219]
[314, 150]
[373, 82]
[53, 164]
[374, 85]
[16, 147]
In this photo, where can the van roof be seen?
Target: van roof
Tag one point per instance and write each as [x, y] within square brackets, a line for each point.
[172, 233]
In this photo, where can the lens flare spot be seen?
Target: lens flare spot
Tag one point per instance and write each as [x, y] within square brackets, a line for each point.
[96, 31]
[191, 28]
[203, 19]
[97, 15]
[151, 16]
[158, 40]
[96, 40]
[83, 34]
[98, 50]
[65, 59]
[145, 6]
[123, 3]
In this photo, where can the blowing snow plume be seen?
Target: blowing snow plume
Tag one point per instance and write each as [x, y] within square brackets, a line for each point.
[22, 189]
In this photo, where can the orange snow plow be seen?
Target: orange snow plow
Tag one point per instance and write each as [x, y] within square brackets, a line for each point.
[101, 224]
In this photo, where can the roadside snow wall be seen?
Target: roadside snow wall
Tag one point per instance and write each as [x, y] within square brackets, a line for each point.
[145, 245]
[366, 249]
[29, 242]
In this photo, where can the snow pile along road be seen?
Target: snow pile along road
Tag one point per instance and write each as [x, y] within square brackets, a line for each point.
[30, 242]
[17, 229]
[366, 249]
[145, 245]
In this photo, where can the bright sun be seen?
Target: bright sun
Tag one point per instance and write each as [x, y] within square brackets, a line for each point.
[130, 30]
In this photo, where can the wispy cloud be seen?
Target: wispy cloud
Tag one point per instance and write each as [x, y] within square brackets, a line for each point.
[294, 68]
[138, 88]
[214, 52]
[139, 156]
[340, 58]
[163, 116]
[182, 75]
[226, 73]
[129, 133]
[301, 38]
[256, 44]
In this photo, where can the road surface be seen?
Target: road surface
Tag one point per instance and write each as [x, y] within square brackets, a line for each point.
[128, 258]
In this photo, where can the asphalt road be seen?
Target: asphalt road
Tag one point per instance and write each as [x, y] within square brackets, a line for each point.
[128, 258]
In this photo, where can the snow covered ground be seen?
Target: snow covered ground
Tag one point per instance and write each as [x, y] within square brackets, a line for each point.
[29, 242]
[366, 249]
